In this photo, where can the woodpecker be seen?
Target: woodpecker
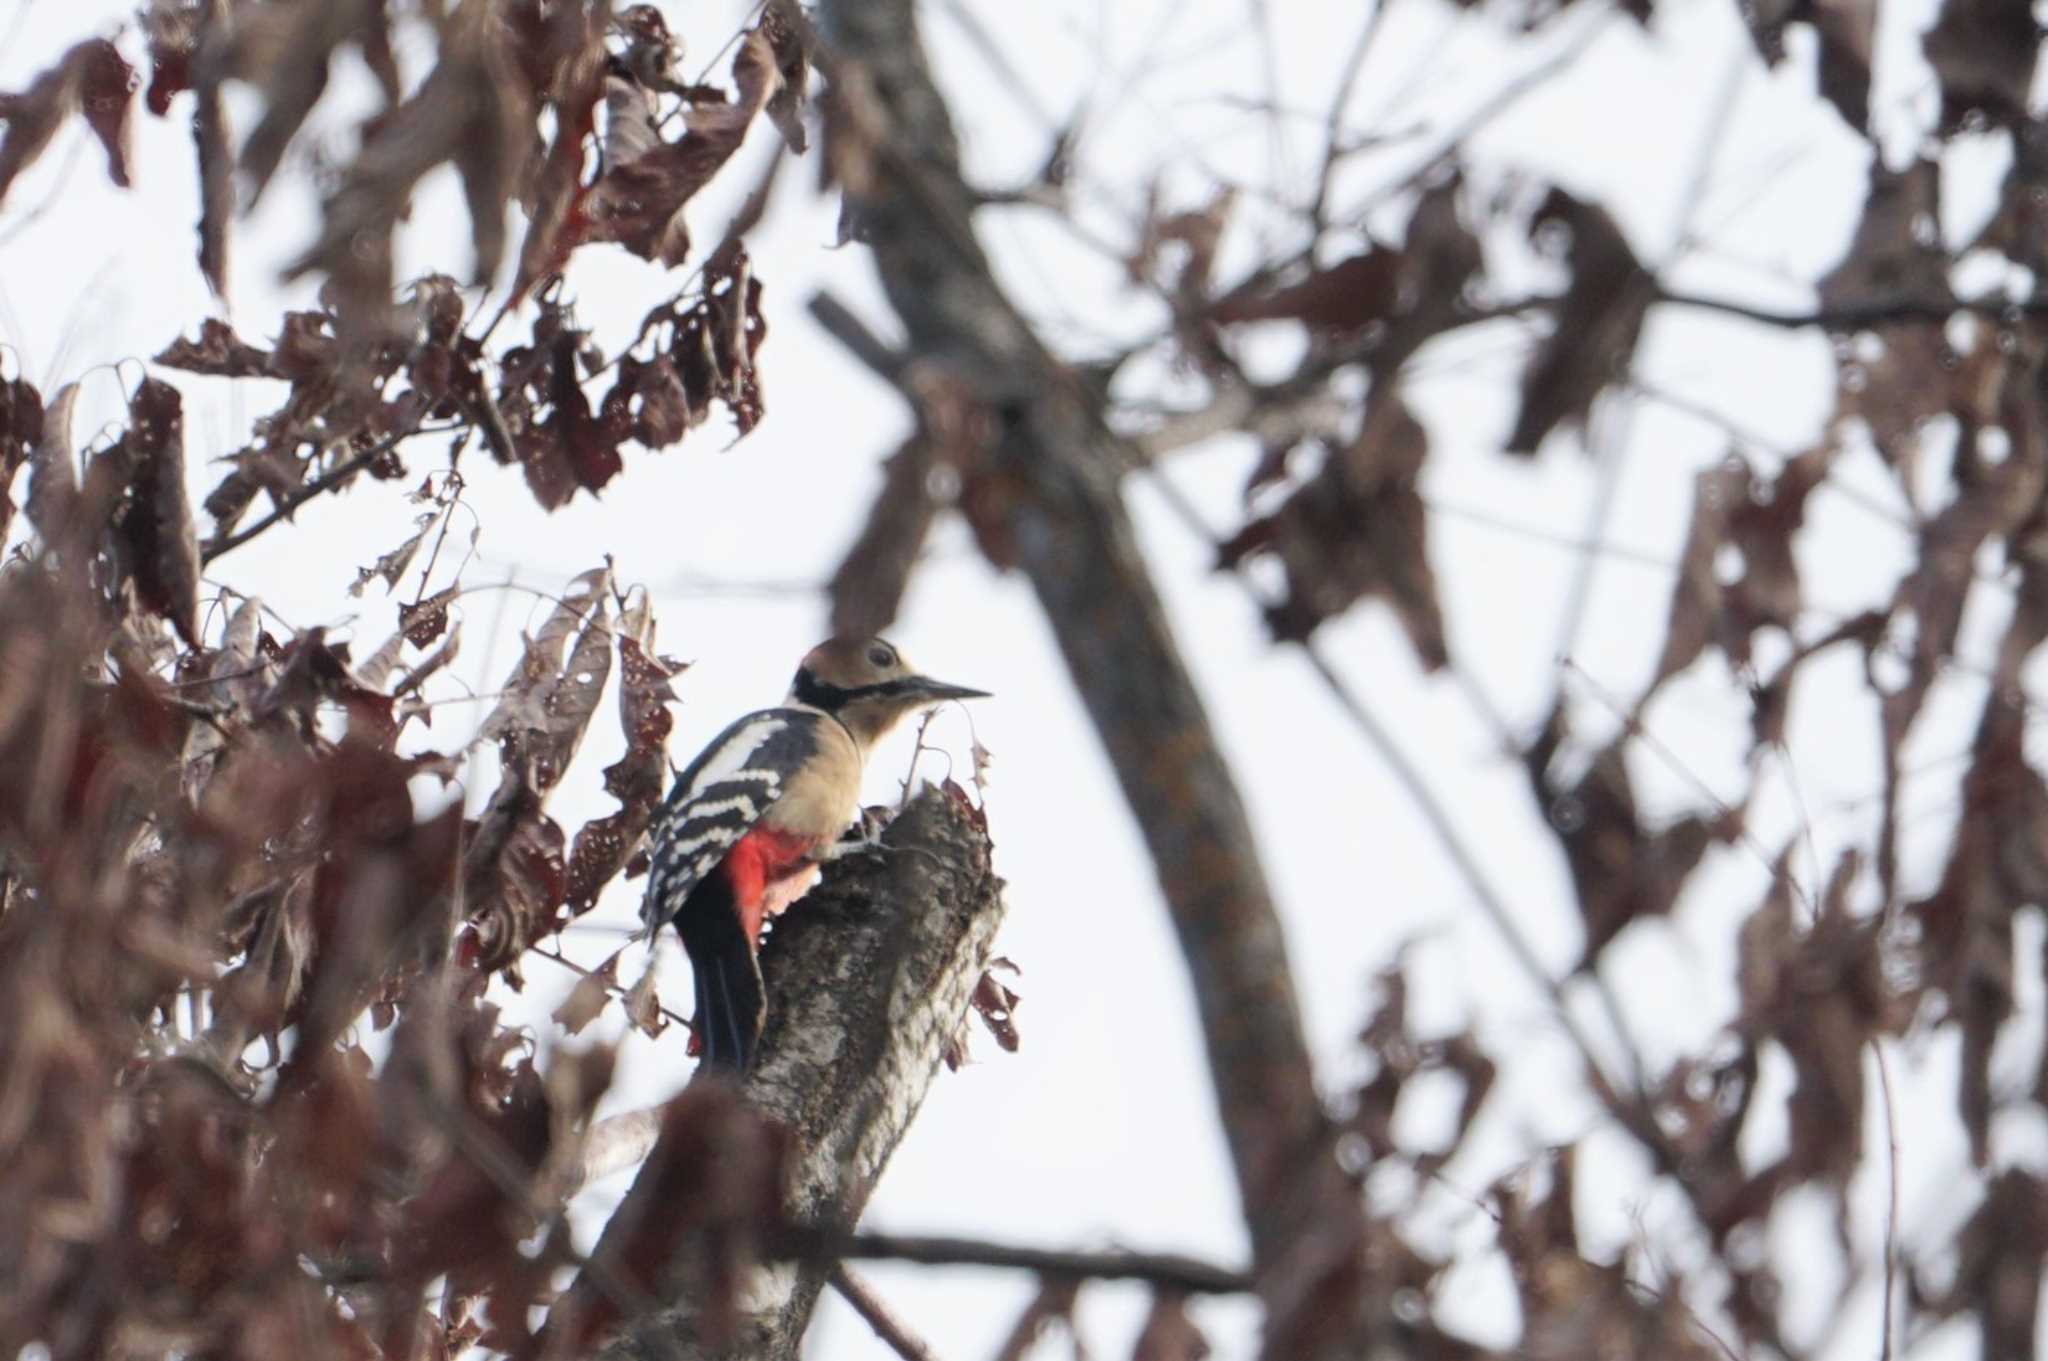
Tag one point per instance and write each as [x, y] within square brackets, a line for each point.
[748, 822]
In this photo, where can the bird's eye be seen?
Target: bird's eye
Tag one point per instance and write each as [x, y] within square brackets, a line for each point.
[882, 655]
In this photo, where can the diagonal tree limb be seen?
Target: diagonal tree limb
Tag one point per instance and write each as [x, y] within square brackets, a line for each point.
[1049, 502]
[868, 983]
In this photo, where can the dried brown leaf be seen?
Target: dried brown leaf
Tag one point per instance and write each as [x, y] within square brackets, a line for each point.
[52, 474]
[1357, 529]
[996, 1004]
[391, 565]
[171, 28]
[1846, 30]
[284, 50]
[2020, 226]
[2001, 1255]
[1997, 863]
[637, 778]
[643, 1005]
[1983, 52]
[639, 202]
[1597, 326]
[211, 137]
[789, 33]
[1737, 573]
[572, 50]
[217, 351]
[586, 1000]
[1621, 870]
[92, 80]
[1340, 298]
[514, 876]
[21, 433]
[156, 529]
[548, 698]
[471, 112]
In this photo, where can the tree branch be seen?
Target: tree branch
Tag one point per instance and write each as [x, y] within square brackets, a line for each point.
[868, 982]
[1167, 1270]
[879, 1316]
[1048, 501]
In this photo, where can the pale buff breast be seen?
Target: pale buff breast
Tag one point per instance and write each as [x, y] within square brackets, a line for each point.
[822, 803]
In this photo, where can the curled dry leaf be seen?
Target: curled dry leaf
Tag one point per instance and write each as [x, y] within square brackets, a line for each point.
[171, 29]
[707, 354]
[2001, 1255]
[218, 351]
[1340, 298]
[1598, 322]
[1846, 30]
[1997, 863]
[1621, 870]
[995, 1002]
[549, 698]
[637, 778]
[643, 1004]
[285, 51]
[21, 433]
[1823, 999]
[391, 565]
[1895, 253]
[789, 32]
[155, 528]
[1356, 529]
[92, 80]
[1983, 53]
[53, 473]
[564, 56]
[560, 445]
[586, 1000]
[1737, 573]
[1399, 1056]
[473, 112]
[639, 202]
[514, 876]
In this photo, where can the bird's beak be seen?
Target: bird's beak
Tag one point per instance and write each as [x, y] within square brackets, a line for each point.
[930, 691]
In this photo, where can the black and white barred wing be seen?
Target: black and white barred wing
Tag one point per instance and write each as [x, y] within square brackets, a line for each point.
[718, 798]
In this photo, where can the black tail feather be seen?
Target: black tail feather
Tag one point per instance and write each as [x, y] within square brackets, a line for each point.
[732, 1005]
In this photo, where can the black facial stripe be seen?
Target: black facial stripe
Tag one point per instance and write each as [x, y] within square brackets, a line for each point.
[832, 698]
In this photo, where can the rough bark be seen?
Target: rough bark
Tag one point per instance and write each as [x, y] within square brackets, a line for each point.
[1048, 501]
[868, 980]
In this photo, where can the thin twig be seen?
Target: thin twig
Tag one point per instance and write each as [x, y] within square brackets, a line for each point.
[1891, 1208]
[306, 491]
[1168, 1270]
[857, 1292]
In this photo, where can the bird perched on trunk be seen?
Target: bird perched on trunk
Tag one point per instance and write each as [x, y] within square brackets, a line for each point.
[749, 821]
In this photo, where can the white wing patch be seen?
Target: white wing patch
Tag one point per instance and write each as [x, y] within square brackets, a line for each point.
[730, 759]
[724, 792]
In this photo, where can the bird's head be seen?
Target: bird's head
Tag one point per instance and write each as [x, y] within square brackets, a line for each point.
[868, 685]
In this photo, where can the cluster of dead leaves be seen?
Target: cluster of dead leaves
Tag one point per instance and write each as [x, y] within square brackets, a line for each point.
[577, 115]
[210, 839]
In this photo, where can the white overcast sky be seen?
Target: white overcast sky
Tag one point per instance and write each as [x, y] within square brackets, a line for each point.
[1101, 1130]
